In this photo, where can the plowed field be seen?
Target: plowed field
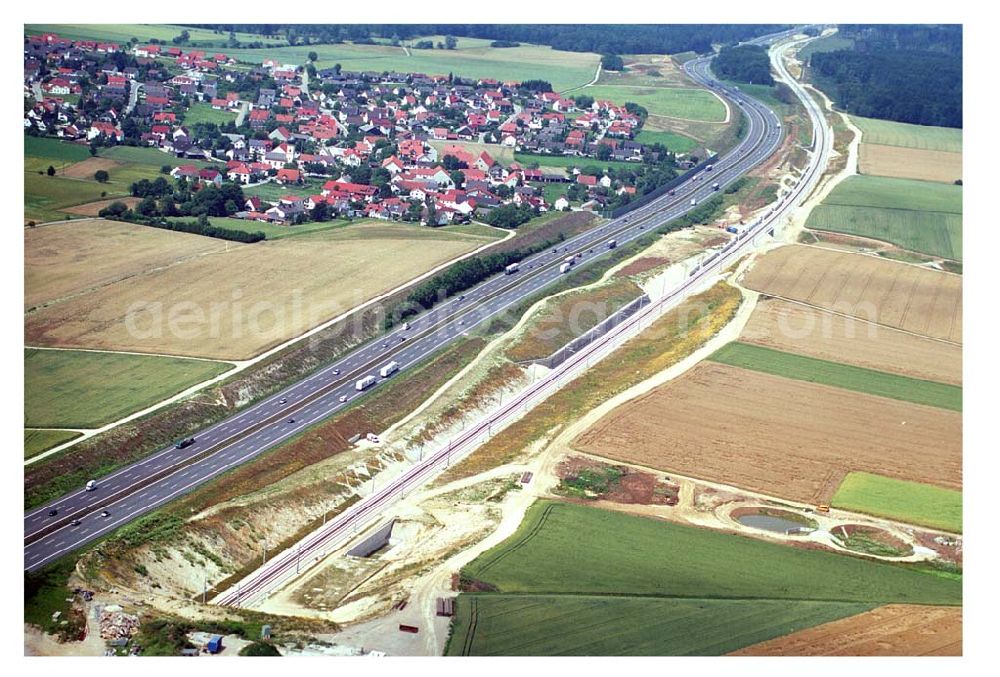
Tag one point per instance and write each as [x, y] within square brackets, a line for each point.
[898, 295]
[808, 331]
[892, 630]
[779, 436]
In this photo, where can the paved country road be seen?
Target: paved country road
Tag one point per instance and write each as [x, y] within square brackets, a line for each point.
[165, 475]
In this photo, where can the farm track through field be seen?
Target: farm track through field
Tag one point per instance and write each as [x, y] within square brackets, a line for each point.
[521, 543]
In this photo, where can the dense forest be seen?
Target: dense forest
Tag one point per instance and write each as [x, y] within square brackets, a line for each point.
[941, 38]
[896, 72]
[603, 39]
[745, 63]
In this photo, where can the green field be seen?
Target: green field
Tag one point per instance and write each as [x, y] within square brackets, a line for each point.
[271, 231]
[472, 59]
[921, 216]
[829, 43]
[568, 161]
[888, 133]
[150, 156]
[579, 580]
[552, 191]
[677, 143]
[910, 502]
[81, 389]
[37, 441]
[54, 149]
[849, 377]
[272, 192]
[475, 229]
[502, 154]
[675, 102]
[45, 195]
[122, 33]
[569, 548]
[203, 112]
[571, 625]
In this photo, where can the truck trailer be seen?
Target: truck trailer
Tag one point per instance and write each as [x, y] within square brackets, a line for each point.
[365, 382]
[565, 268]
[389, 369]
[511, 269]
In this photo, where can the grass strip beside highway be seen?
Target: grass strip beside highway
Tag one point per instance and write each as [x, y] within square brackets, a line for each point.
[849, 377]
[911, 502]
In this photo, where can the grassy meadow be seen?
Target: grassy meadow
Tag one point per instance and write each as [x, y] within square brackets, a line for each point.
[921, 137]
[37, 441]
[675, 102]
[82, 389]
[910, 502]
[578, 580]
[567, 548]
[922, 216]
[580, 625]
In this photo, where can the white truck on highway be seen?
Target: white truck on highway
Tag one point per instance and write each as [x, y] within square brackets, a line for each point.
[565, 268]
[91, 485]
[694, 201]
[365, 382]
[511, 269]
[389, 369]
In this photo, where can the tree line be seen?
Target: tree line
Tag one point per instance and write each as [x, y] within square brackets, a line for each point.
[744, 63]
[459, 277]
[602, 39]
[119, 211]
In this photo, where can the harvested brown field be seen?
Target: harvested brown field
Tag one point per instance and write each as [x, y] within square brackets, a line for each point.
[910, 163]
[895, 294]
[73, 258]
[778, 436]
[244, 299]
[891, 630]
[85, 168]
[805, 330]
[670, 339]
[94, 208]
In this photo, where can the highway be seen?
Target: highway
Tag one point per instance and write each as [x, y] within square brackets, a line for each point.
[271, 576]
[165, 475]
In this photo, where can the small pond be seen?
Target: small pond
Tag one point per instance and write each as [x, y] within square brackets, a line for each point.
[771, 523]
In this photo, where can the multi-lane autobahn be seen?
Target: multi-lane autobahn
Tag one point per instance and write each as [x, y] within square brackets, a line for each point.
[82, 516]
[271, 576]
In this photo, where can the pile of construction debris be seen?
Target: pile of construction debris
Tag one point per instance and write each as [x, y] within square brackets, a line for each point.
[116, 624]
